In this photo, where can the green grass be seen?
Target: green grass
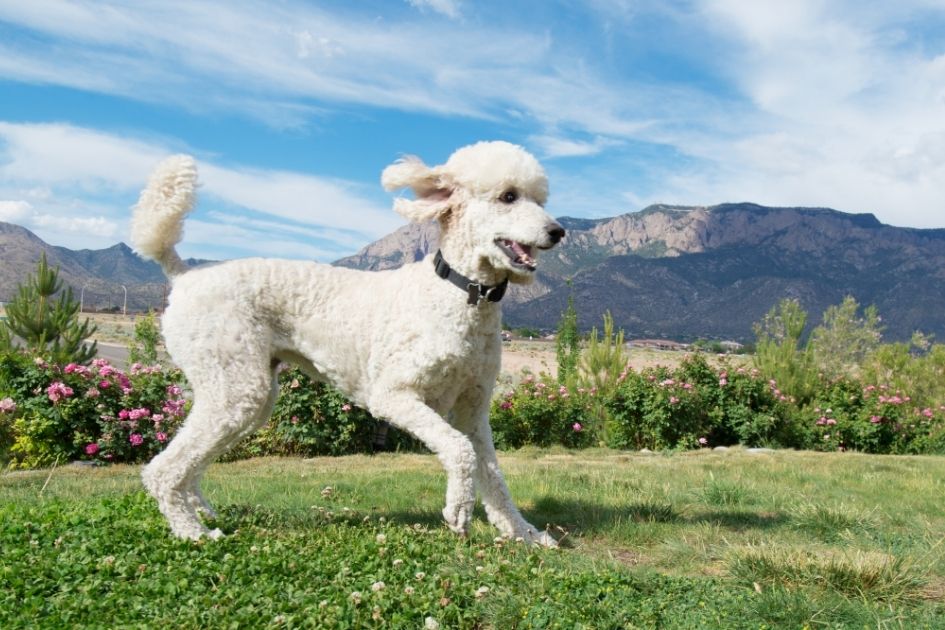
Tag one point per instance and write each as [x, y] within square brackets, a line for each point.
[687, 540]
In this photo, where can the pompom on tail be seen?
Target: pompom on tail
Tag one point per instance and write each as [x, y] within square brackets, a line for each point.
[158, 220]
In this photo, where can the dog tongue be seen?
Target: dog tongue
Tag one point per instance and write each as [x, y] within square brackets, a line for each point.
[523, 252]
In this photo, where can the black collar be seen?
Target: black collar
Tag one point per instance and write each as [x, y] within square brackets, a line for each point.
[476, 292]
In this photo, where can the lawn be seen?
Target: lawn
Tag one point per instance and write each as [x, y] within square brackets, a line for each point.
[684, 540]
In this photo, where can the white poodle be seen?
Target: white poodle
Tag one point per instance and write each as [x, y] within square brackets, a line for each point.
[418, 346]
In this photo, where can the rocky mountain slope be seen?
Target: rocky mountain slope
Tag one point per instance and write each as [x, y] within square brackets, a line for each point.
[667, 271]
[687, 272]
[96, 276]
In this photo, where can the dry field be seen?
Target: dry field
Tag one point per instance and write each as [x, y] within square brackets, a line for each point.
[518, 356]
[536, 357]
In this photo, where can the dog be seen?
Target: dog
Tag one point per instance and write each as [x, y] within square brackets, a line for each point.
[418, 346]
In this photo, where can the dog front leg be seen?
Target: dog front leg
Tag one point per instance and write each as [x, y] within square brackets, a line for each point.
[454, 450]
[472, 417]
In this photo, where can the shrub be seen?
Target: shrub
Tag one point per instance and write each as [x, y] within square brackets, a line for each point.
[312, 419]
[697, 405]
[540, 412]
[872, 419]
[147, 336]
[61, 413]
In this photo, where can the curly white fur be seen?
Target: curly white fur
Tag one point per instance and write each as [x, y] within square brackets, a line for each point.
[403, 344]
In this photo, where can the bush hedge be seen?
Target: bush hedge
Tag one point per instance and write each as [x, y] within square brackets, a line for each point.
[51, 413]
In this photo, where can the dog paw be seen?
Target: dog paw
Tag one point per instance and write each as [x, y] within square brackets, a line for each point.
[532, 536]
[458, 516]
[215, 534]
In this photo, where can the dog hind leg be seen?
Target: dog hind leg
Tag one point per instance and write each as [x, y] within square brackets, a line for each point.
[223, 413]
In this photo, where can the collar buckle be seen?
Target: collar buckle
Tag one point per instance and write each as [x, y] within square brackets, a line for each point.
[475, 291]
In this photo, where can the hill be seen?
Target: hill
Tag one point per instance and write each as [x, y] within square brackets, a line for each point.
[685, 272]
[679, 272]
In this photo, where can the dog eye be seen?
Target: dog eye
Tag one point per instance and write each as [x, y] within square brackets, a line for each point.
[509, 196]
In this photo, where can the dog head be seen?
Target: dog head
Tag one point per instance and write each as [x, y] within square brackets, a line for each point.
[489, 200]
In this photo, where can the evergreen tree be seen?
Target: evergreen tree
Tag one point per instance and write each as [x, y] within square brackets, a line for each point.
[567, 344]
[49, 324]
[144, 346]
[605, 358]
[841, 344]
[780, 353]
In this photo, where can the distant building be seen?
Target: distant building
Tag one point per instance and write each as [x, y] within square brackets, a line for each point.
[657, 344]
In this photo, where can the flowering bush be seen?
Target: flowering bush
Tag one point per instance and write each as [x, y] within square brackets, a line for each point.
[313, 419]
[540, 412]
[873, 419]
[697, 405]
[51, 413]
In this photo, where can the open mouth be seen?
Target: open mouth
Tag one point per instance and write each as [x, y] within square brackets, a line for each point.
[519, 254]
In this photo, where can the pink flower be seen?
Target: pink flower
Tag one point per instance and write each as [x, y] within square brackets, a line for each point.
[7, 405]
[58, 390]
[106, 370]
[927, 412]
[551, 396]
[876, 419]
[703, 441]
[123, 414]
[174, 407]
[92, 393]
[136, 439]
[173, 390]
[100, 363]
[295, 419]
[70, 368]
[830, 422]
[673, 400]
[157, 418]
[294, 384]
[346, 407]
[667, 383]
[138, 414]
[104, 384]
[506, 404]
[577, 427]
[723, 382]
[160, 436]
[91, 448]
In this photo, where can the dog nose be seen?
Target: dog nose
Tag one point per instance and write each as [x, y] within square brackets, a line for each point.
[555, 232]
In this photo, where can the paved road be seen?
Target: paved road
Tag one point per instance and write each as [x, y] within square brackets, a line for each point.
[116, 354]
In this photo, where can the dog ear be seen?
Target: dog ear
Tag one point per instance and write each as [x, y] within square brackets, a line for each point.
[431, 191]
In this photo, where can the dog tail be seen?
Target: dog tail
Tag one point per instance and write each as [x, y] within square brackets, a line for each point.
[158, 220]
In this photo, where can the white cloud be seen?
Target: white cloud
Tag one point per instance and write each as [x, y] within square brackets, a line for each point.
[97, 228]
[449, 8]
[15, 211]
[83, 181]
[558, 146]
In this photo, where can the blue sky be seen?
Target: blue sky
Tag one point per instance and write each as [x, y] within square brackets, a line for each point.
[294, 108]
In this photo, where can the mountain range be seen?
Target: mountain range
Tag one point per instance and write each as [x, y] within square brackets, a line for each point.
[678, 272]
[684, 272]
